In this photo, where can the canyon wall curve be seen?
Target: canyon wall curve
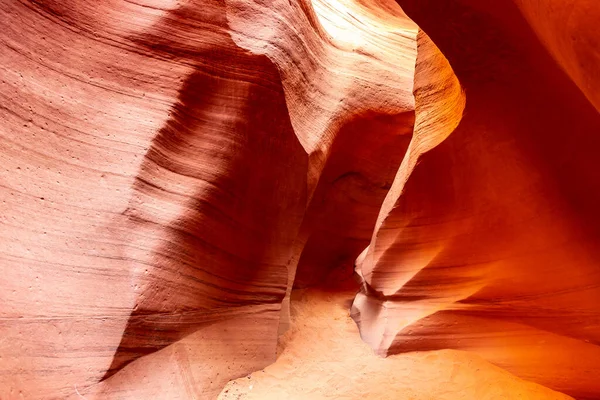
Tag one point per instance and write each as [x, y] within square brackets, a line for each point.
[174, 172]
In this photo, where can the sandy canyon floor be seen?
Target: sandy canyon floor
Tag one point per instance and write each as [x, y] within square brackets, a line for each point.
[323, 357]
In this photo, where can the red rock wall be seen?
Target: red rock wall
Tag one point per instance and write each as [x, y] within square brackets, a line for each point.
[492, 245]
[171, 169]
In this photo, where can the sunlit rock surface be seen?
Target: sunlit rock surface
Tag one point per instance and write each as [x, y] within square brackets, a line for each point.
[170, 171]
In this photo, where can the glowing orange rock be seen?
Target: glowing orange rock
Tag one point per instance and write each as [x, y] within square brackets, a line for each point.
[172, 169]
[491, 245]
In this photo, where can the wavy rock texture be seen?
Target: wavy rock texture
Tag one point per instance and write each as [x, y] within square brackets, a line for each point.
[492, 243]
[171, 170]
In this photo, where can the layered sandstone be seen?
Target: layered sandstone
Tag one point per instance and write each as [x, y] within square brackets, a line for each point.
[492, 243]
[172, 170]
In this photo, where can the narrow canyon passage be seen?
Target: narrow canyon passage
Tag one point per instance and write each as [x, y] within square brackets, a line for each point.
[299, 199]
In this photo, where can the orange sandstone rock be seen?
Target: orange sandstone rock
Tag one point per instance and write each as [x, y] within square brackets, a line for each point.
[491, 245]
[172, 169]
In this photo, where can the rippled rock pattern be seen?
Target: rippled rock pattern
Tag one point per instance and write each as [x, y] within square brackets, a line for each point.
[170, 170]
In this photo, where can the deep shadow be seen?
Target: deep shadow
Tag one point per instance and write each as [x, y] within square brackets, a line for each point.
[363, 162]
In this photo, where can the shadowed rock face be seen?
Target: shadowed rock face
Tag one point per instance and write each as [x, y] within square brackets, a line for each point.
[171, 170]
[493, 244]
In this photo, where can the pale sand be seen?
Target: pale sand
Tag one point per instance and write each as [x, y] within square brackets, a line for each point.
[323, 357]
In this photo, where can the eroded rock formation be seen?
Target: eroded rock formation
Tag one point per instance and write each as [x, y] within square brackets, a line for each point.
[492, 244]
[171, 170]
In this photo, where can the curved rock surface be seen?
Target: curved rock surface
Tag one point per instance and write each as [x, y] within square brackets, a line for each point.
[172, 169]
[492, 243]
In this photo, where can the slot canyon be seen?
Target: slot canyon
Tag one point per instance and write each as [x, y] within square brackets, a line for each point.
[300, 199]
